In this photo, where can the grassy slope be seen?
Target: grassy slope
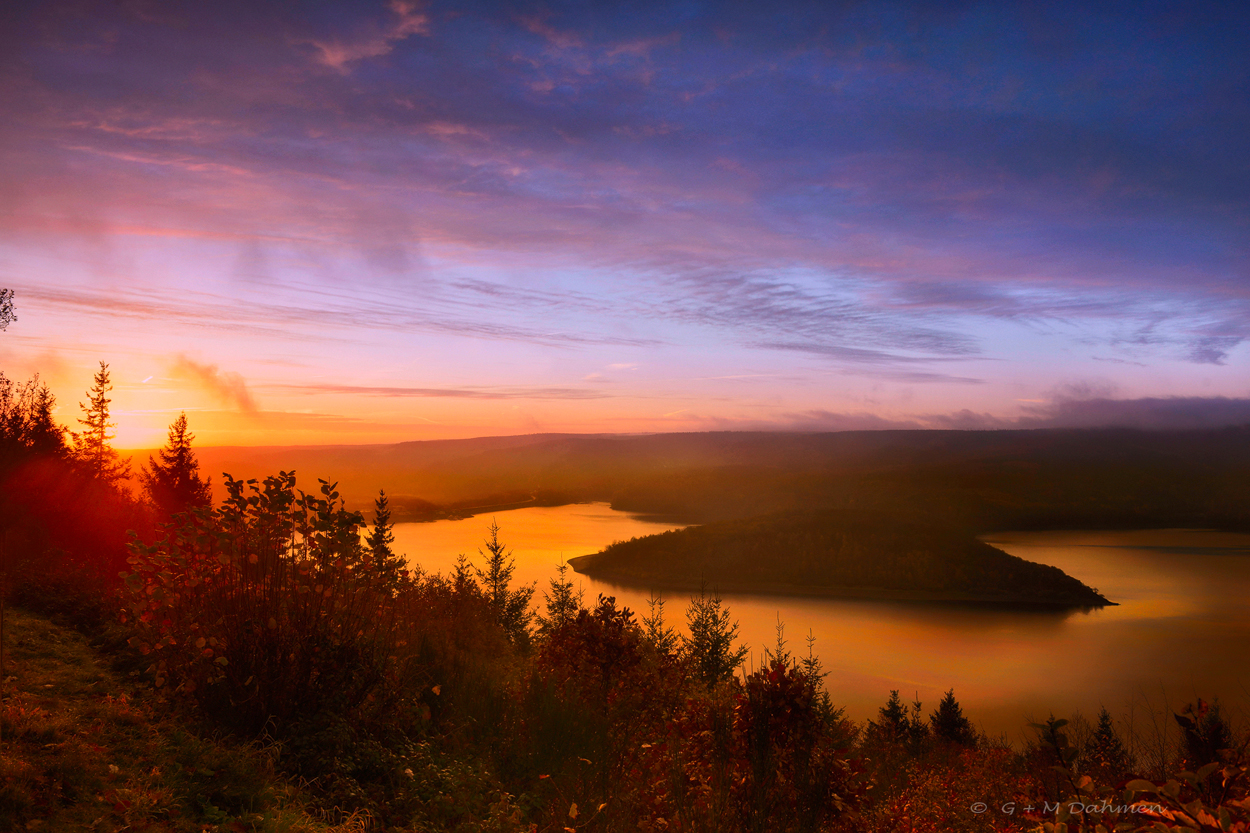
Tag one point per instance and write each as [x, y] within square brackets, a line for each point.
[82, 751]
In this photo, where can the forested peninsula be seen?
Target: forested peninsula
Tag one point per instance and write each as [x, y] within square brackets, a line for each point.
[829, 554]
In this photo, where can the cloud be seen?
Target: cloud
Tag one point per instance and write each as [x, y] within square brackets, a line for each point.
[339, 53]
[447, 393]
[352, 315]
[1171, 412]
[1213, 349]
[229, 388]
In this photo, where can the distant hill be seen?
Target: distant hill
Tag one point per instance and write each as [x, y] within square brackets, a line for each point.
[923, 496]
[992, 479]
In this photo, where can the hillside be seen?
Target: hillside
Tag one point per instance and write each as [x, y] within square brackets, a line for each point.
[994, 479]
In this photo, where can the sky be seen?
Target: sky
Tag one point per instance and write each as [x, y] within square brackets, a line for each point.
[374, 222]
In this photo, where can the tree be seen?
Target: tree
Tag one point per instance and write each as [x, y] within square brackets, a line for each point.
[26, 423]
[949, 723]
[779, 653]
[892, 723]
[711, 642]
[1104, 751]
[511, 607]
[811, 664]
[7, 315]
[91, 447]
[173, 483]
[562, 603]
[660, 635]
[379, 541]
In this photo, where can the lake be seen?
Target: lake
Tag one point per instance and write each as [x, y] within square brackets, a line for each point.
[1181, 630]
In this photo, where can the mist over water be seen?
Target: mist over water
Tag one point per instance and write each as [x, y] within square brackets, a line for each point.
[1180, 631]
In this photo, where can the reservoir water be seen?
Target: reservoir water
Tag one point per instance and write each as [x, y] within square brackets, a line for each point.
[1181, 630]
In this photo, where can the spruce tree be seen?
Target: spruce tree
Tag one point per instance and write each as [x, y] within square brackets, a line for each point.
[91, 446]
[380, 539]
[660, 635]
[1104, 751]
[811, 664]
[26, 423]
[779, 653]
[173, 482]
[462, 581]
[511, 607]
[891, 724]
[710, 645]
[917, 729]
[949, 723]
[46, 437]
[561, 601]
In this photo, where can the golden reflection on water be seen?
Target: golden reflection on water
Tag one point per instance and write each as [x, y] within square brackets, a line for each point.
[1182, 621]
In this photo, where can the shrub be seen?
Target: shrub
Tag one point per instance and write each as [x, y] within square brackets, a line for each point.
[265, 606]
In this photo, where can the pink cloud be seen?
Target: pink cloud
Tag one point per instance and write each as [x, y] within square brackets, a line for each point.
[229, 388]
[338, 54]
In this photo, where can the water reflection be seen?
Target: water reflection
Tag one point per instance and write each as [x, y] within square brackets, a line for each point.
[1182, 621]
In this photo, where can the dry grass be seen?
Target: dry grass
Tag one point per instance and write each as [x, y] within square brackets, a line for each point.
[81, 750]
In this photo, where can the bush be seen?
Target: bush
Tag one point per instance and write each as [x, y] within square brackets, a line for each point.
[264, 607]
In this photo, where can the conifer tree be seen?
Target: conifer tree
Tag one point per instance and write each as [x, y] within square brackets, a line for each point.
[46, 437]
[91, 446]
[779, 652]
[561, 601]
[1104, 750]
[811, 664]
[917, 729]
[173, 482]
[660, 635]
[711, 642]
[949, 723]
[380, 539]
[26, 423]
[462, 581]
[511, 607]
[892, 723]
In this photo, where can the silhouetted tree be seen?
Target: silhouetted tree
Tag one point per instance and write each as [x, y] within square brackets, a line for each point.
[811, 664]
[1104, 751]
[380, 539]
[710, 644]
[173, 482]
[511, 607]
[891, 724]
[655, 631]
[561, 601]
[779, 653]
[462, 582]
[91, 446]
[949, 723]
[26, 423]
